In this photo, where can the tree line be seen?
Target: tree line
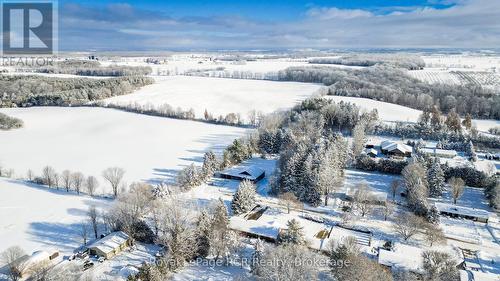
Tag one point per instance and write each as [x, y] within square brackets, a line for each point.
[407, 61]
[8, 122]
[26, 91]
[91, 68]
[393, 85]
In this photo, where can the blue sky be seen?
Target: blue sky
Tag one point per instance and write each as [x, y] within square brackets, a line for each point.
[279, 24]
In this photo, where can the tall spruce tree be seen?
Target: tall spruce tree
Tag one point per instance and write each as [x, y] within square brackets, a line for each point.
[203, 234]
[293, 234]
[435, 179]
[243, 198]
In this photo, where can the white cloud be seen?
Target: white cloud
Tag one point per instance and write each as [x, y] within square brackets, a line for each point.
[336, 13]
[469, 23]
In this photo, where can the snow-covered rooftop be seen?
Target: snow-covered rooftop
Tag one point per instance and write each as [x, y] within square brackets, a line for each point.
[403, 257]
[389, 145]
[437, 151]
[110, 242]
[247, 172]
[463, 211]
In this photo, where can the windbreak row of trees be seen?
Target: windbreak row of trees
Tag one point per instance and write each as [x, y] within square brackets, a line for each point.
[25, 91]
[8, 122]
[93, 68]
[393, 85]
[410, 62]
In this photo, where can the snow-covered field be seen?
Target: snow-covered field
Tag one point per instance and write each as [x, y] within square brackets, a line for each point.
[219, 96]
[180, 64]
[393, 113]
[37, 218]
[460, 69]
[91, 139]
[463, 61]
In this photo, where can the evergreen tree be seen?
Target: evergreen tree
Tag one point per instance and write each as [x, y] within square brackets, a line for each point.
[243, 198]
[203, 234]
[257, 257]
[467, 123]
[436, 120]
[293, 234]
[414, 175]
[220, 219]
[210, 164]
[435, 179]
[453, 121]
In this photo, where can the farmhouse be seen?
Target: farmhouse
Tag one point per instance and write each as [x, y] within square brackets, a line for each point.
[396, 149]
[251, 173]
[444, 153]
[110, 245]
[462, 212]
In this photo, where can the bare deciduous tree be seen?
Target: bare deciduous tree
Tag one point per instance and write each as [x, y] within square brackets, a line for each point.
[439, 266]
[457, 188]
[114, 176]
[388, 209]
[91, 184]
[395, 185]
[30, 175]
[363, 199]
[48, 176]
[77, 179]
[84, 232]
[66, 179]
[434, 234]
[407, 225]
[11, 258]
[289, 201]
[93, 215]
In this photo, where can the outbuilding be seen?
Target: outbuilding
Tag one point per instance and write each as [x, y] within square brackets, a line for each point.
[110, 245]
[436, 152]
[455, 211]
[250, 173]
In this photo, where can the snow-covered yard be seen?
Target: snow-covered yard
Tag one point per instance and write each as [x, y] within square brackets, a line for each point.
[90, 140]
[36, 218]
[219, 96]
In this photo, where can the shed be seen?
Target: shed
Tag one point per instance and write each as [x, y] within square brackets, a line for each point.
[110, 245]
[250, 173]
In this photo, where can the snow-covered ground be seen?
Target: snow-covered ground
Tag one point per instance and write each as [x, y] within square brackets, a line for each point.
[462, 62]
[90, 140]
[460, 69]
[393, 113]
[219, 96]
[180, 64]
[36, 218]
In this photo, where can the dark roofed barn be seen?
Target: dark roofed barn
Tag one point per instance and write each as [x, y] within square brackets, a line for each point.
[253, 174]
